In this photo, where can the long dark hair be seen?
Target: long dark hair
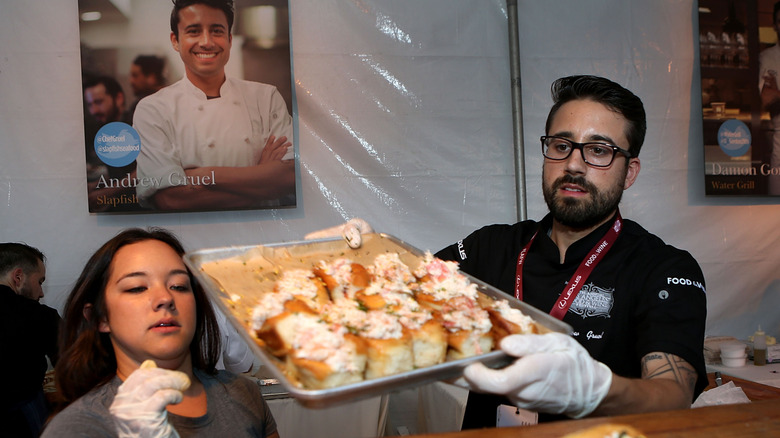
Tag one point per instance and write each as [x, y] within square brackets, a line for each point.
[87, 356]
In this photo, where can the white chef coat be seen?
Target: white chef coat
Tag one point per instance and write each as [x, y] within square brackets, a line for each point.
[180, 128]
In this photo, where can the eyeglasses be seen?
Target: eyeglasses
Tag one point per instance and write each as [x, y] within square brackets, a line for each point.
[593, 153]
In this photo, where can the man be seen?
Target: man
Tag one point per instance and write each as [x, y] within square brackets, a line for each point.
[768, 66]
[28, 334]
[637, 306]
[105, 103]
[104, 99]
[146, 77]
[210, 141]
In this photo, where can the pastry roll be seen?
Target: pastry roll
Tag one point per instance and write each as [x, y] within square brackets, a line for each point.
[274, 324]
[343, 278]
[323, 355]
[393, 273]
[468, 343]
[468, 327]
[429, 338]
[507, 321]
[388, 345]
[440, 282]
[304, 285]
[429, 344]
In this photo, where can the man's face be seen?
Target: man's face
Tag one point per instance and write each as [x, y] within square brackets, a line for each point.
[204, 41]
[101, 105]
[141, 84]
[578, 195]
[32, 283]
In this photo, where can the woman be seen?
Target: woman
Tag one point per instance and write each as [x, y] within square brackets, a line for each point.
[136, 301]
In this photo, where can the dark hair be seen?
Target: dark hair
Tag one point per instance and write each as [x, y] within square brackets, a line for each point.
[112, 86]
[608, 93]
[225, 6]
[19, 255]
[151, 65]
[87, 357]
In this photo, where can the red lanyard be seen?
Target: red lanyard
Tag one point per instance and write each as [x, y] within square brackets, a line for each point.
[577, 280]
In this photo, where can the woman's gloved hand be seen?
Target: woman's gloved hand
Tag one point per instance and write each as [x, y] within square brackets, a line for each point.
[139, 405]
[553, 374]
[350, 230]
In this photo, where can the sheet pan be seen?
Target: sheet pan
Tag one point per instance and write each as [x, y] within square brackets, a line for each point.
[254, 270]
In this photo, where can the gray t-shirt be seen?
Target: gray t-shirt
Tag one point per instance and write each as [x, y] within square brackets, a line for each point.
[236, 408]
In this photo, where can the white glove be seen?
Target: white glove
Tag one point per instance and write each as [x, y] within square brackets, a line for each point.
[554, 374]
[139, 405]
[349, 230]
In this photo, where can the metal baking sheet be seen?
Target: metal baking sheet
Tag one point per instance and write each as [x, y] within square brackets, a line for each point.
[255, 270]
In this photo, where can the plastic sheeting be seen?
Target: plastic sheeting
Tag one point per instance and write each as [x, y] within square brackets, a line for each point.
[404, 119]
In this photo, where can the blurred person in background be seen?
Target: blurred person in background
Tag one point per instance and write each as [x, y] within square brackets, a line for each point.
[147, 76]
[28, 336]
[105, 103]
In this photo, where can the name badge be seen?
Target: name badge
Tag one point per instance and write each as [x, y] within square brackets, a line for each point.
[507, 416]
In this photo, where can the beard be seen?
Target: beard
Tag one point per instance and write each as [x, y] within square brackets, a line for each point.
[582, 213]
[28, 292]
[112, 115]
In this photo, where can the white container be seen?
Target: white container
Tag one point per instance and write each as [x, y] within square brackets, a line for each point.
[732, 350]
[734, 362]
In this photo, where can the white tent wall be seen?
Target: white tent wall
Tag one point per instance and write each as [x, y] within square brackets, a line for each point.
[404, 119]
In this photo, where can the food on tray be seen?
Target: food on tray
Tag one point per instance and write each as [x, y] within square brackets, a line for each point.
[506, 320]
[323, 355]
[305, 286]
[342, 278]
[341, 322]
[607, 430]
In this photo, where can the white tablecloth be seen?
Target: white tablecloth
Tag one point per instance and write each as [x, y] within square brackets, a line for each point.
[768, 374]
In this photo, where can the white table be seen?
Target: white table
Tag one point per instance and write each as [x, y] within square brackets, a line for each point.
[768, 374]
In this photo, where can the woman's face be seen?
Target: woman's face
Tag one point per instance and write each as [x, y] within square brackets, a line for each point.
[151, 312]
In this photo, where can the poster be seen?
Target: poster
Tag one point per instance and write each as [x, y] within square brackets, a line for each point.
[190, 111]
[740, 99]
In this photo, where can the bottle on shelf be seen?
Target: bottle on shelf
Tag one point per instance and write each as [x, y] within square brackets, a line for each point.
[759, 347]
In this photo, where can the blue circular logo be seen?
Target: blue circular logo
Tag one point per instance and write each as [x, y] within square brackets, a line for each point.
[734, 138]
[117, 144]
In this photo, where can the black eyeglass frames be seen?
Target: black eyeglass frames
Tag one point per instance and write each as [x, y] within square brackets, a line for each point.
[594, 153]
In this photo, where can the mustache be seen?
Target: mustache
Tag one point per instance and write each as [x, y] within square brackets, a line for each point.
[578, 180]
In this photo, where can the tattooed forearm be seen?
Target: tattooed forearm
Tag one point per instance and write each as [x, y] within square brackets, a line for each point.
[668, 366]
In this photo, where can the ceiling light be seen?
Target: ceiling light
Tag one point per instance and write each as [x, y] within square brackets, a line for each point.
[91, 16]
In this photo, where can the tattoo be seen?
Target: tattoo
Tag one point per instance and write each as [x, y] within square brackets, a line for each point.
[668, 366]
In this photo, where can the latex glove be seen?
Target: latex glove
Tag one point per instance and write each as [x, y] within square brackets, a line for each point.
[139, 405]
[554, 374]
[350, 230]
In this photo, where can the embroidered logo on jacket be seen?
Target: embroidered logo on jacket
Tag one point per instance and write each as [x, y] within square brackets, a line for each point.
[593, 301]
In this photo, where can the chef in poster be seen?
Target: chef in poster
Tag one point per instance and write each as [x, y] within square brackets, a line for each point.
[209, 141]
